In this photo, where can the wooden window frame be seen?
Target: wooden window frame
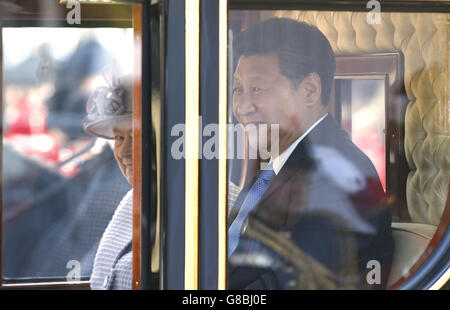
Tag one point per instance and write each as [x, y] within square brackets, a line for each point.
[387, 67]
[144, 204]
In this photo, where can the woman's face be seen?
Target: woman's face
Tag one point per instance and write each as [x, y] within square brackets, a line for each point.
[123, 148]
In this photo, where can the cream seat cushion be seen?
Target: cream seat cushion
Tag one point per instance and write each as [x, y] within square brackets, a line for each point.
[411, 240]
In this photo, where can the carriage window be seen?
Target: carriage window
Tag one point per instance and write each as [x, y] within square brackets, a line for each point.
[63, 173]
[362, 110]
[61, 185]
[335, 158]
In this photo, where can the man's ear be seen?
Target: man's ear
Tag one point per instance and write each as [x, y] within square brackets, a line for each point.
[312, 88]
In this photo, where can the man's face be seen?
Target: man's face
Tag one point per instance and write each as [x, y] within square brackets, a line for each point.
[123, 150]
[262, 95]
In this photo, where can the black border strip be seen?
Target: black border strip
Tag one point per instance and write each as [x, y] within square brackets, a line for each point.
[208, 168]
[349, 5]
[146, 182]
[162, 147]
[173, 178]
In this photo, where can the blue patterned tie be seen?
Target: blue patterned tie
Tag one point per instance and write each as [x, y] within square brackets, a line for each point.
[251, 200]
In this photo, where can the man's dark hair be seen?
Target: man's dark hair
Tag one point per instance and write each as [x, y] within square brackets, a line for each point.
[301, 49]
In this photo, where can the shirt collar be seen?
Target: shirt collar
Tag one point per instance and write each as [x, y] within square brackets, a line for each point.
[278, 162]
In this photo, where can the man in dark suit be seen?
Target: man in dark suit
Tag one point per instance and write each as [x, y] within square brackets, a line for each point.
[315, 217]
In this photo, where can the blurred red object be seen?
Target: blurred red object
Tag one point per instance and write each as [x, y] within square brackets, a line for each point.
[19, 121]
[27, 132]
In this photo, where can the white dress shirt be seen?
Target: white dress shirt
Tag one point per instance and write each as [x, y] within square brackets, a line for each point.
[278, 162]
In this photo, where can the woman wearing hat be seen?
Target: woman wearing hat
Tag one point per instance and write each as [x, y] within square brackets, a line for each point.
[109, 116]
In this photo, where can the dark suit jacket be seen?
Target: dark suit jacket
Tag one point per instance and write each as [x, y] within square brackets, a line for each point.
[321, 224]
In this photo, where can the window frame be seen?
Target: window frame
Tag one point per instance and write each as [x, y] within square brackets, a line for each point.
[144, 204]
[432, 270]
[389, 68]
[173, 77]
[94, 15]
[193, 247]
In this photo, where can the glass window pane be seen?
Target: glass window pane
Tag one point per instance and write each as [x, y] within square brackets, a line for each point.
[368, 122]
[61, 185]
[334, 153]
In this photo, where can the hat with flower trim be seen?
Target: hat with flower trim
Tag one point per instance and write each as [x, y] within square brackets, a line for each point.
[107, 105]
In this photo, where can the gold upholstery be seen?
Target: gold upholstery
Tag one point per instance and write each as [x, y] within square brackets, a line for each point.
[423, 39]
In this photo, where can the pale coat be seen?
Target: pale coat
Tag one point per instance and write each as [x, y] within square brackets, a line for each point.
[113, 261]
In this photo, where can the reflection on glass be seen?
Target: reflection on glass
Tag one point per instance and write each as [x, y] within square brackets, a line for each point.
[61, 186]
[323, 220]
[368, 122]
[314, 216]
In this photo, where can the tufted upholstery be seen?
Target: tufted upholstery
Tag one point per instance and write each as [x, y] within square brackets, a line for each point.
[423, 39]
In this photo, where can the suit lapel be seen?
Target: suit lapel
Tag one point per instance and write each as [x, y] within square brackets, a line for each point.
[301, 158]
[298, 160]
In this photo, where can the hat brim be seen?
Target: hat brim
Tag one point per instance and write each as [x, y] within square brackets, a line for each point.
[103, 128]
